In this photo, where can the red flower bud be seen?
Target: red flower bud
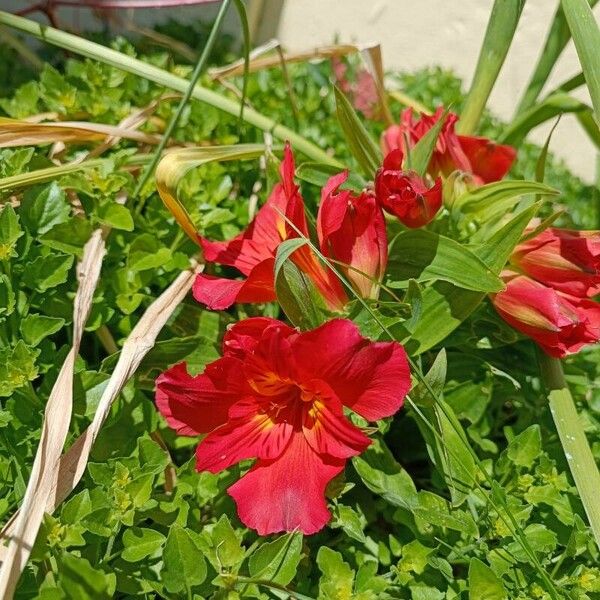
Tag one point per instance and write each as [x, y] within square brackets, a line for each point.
[567, 260]
[559, 323]
[483, 158]
[405, 194]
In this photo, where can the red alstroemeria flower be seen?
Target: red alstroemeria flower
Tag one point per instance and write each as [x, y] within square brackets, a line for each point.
[351, 231]
[559, 323]
[277, 395]
[405, 194]
[350, 228]
[483, 158]
[567, 260]
[253, 252]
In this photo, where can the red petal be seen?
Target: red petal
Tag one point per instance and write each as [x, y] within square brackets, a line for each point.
[241, 338]
[218, 293]
[193, 405]
[329, 432]
[371, 378]
[288, 493]
[249, 433]
[489, 161]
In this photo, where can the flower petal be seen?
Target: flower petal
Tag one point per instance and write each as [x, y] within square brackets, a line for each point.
[249, 433]
[194, 405]
[489, 161]
[242, 337]
[371, 378]
[219, 293]
[329, 432]
[288, 493]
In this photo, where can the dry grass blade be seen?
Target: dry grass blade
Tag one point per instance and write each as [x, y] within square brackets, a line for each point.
[73, 463]
[55, 428]
[16, 132]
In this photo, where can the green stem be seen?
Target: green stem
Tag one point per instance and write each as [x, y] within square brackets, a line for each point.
[140, 68]
[572, 437]
[498, 37]
[198, 69]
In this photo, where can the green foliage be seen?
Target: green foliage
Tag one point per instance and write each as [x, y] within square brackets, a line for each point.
[416, 516]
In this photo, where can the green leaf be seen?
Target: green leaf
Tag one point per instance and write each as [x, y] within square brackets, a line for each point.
[349, 520]
[10, 232]
[80, 581]
[586, 35]
[277, 561]
[7, 296]
[295, 291]
[420, 154]
[146, 252]
[446, 306]
[364, 149]
[17, 367]
[43, 207]
[69, 237]
[484, 583]
[116, 216]
[426, 256]
[140, 542]
[337, 579]
[183, 562]
[35, 328]
[435, 510]
[319, 173]
[526, 446]
[383, 475]
[46, 272]
[229, 551]
[498, 36]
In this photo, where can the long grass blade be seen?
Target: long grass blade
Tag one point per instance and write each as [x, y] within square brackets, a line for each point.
[498, 37]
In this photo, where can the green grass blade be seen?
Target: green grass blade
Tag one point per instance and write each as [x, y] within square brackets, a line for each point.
[498, 37]
[241, 8]
[556, 40]
[94, 51]
[586, 35]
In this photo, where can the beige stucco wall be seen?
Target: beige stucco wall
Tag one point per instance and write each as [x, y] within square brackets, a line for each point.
[415, 33]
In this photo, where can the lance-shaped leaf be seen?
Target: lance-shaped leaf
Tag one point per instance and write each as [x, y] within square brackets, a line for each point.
[420, 154]
[176, 164]
[426, 256]
[362, 146]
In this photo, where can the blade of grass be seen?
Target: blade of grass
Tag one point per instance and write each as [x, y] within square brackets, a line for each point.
[586, 35]
[94, 51]
[200, 65]
[556, 40]
[573, 440]
[498, 37]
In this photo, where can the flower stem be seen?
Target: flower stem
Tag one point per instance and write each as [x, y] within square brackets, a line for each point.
[572, 437]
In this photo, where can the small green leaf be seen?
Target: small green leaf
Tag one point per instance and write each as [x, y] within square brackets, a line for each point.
[140, 542]
[46, 272]
[319, 173]
[43, 207]
[364, 149]
[69, 237]
[525, 447]
[337, 579]
[116, 216]
[420, 154]
[484, 584]
[10, 232]
[277, 561]
[35, 328]
[183, 562]
[146, 253]
[80, 581]
[7, 296]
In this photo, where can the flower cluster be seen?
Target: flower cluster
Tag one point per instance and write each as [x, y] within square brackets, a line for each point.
[548, 285]
[282, 397]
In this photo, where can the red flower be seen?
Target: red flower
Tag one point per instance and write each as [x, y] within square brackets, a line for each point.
[405, 194]
[351, 230]
[253, 252]
[559, 323]
[567, 260]
[277, 395]
[486, 160]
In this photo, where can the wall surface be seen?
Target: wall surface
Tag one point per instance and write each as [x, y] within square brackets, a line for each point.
[416, 33]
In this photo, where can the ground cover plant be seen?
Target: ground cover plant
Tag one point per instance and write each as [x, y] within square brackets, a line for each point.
[340, 344]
